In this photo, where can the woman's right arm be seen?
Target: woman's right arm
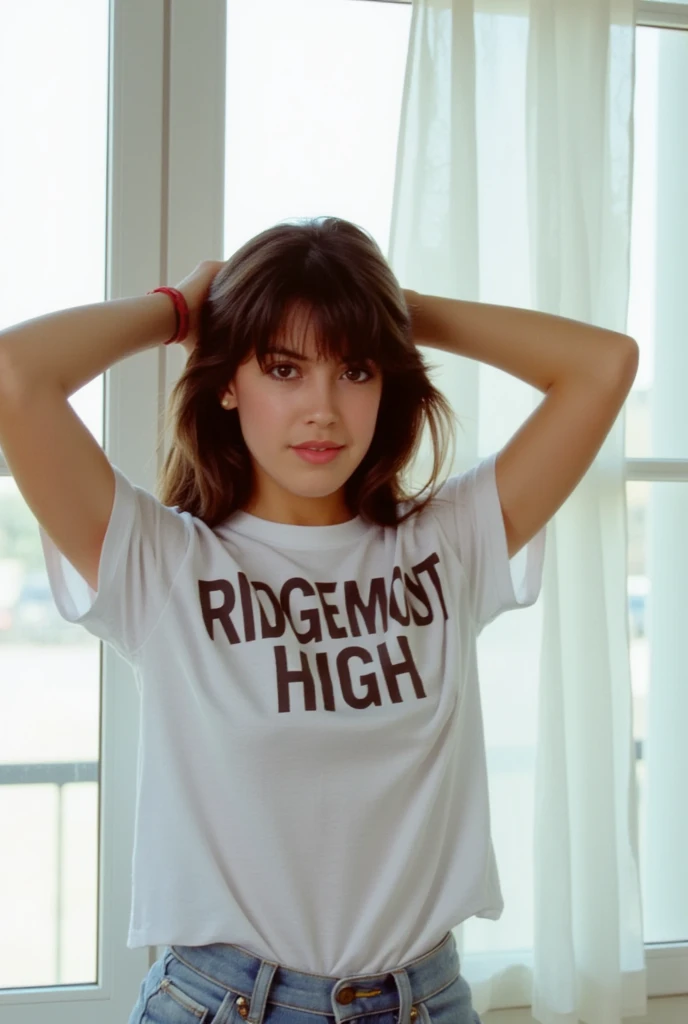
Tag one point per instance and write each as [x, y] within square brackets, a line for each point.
[69, 348]
[60, 469]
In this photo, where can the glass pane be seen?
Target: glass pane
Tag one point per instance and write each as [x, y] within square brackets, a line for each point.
[337, 156]
[509, 706]
[658, 315]
[53, 175]
[658, 597]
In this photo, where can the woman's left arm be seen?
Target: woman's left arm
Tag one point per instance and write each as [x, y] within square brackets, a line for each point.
[585, 373]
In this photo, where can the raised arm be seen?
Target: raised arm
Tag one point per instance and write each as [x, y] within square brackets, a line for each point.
[585, 372]
[60, 469]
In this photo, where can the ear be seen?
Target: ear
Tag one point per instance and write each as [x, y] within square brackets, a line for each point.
[228, 398]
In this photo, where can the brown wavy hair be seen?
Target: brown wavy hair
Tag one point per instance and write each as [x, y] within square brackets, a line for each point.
[338, 272]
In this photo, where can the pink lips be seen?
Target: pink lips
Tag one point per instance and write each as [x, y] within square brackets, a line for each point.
[318, 457]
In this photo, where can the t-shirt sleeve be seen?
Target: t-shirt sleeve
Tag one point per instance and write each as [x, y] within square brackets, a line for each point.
[474, 520]
[144, 547]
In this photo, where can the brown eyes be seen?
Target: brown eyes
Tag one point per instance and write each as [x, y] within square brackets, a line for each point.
[291, 366]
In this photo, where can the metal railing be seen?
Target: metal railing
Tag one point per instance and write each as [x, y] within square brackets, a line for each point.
[59, 773]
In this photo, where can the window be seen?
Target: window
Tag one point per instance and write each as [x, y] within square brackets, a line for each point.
[81, 196]
[349, 106]
[53, 176]
[657, 449]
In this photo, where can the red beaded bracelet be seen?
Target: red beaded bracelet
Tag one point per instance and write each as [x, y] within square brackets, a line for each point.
[181, 309]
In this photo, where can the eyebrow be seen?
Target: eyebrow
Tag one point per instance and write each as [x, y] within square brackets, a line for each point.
[282, 351]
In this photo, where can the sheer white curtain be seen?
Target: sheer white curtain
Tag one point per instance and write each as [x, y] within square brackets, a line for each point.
[513, 186]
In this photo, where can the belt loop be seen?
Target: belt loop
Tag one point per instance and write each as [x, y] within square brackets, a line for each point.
[261, 988]
[405, 995]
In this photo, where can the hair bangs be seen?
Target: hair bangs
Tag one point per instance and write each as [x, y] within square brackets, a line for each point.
[342, 330]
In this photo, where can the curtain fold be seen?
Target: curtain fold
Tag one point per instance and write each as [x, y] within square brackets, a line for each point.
[514, 186]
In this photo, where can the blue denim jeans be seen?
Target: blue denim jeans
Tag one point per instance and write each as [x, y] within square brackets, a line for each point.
[225, 984]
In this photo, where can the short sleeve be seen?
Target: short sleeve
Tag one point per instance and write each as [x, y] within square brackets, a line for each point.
[143, 550]
[472, 516]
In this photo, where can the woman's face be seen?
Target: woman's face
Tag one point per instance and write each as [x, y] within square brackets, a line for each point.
[297, 399]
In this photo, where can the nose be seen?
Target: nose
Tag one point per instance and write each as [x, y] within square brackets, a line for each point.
[320, 400]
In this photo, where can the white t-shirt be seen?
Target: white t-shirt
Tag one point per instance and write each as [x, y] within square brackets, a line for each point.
[312, 780]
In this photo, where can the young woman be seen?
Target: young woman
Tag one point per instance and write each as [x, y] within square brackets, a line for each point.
[312, 814]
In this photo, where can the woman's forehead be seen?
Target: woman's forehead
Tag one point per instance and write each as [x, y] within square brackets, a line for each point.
[311, 335]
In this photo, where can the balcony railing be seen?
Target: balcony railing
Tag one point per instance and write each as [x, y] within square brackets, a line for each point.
[57, 774]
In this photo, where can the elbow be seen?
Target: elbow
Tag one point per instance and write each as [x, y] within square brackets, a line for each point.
[628, 361]
[620, 367]
[613, 367]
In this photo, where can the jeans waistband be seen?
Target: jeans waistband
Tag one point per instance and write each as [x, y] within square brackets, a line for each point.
[259, 981]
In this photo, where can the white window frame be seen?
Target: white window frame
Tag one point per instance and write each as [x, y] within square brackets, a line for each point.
[167, 63]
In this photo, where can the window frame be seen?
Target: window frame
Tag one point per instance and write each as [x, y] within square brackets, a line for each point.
[162, 161]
